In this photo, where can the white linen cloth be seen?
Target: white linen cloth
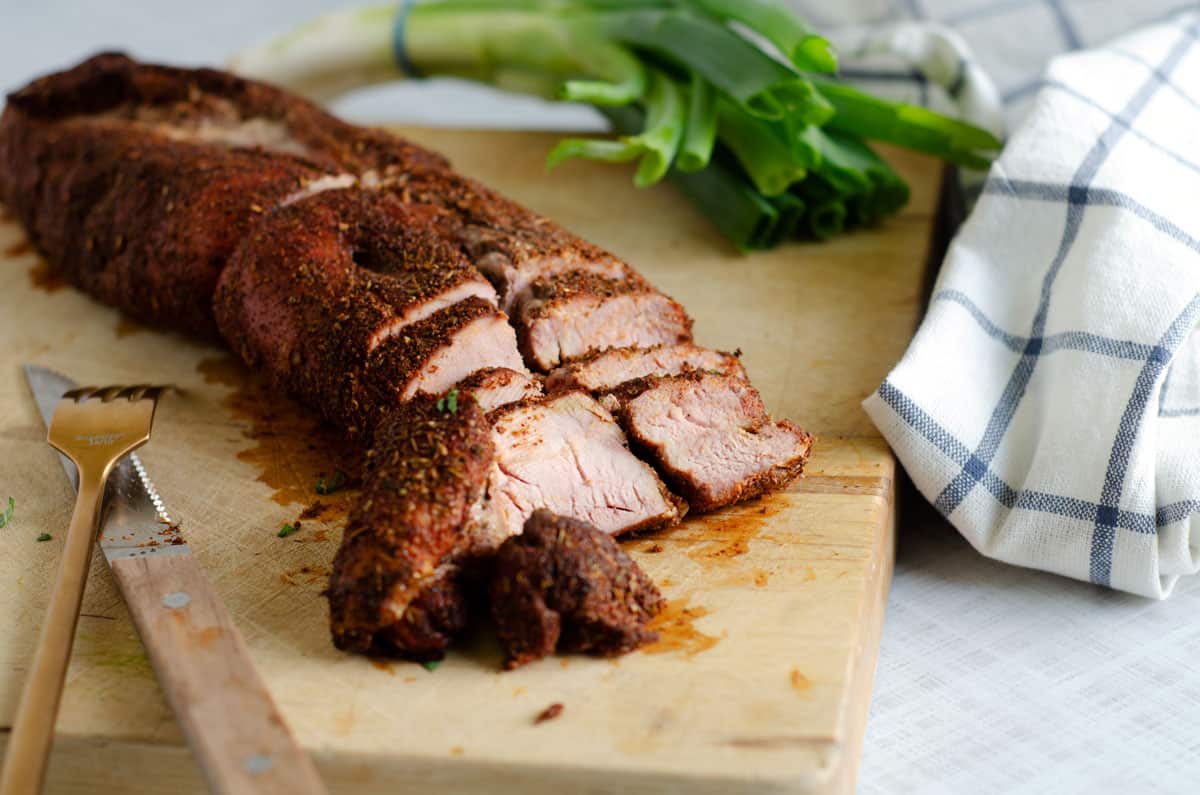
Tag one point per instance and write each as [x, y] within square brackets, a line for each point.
[1049, 405]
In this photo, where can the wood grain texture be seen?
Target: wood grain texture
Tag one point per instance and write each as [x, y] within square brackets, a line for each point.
[761, 680]
[207, 676]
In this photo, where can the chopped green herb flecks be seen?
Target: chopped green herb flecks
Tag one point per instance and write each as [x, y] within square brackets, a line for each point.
[449, 402]
[287, 530]
[431, 665]
[332, 484]
[6, 517]
[44, 537]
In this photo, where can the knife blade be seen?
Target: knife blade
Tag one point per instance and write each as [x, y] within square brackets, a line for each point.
[134, 521]
[225, 710]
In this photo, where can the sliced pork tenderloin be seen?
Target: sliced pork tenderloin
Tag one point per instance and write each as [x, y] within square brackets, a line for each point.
[564, 585]
[710, 437]
[566, 454]
[396, 585]
[606, 370]
[352, 302]
[511, 245]
[494, 387]
[576, 313]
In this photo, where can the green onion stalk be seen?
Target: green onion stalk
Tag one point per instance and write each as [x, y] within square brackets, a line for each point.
[735, 102]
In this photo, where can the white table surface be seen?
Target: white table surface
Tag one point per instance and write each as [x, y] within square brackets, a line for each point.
[991, 678]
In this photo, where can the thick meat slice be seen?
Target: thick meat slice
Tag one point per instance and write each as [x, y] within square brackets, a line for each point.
[351, 301]
[435, 354]
[498, 386]
[562, 584]
[576, 313]
[609, 369]
[710, 436]
[396, 583]
[566, 454]
[511, 245]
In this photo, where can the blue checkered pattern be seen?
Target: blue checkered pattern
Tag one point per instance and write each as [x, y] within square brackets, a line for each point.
[972, 56]
[1049, 405]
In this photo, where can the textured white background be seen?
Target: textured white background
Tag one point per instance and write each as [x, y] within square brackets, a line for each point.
[991, 678]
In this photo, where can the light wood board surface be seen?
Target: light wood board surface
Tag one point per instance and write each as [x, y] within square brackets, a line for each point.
[762, 677]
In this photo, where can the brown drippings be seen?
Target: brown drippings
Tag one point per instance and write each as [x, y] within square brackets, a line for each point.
[676, 630]
[760, 578]
[19, 248]
[800, 682]
[305, 575]
[549, 713]
[292, 449]
[732, 529]
[126, 327]
[383, 665]
[43, 278]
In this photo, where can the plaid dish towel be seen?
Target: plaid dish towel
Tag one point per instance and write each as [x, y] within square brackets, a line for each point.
[1049, 404]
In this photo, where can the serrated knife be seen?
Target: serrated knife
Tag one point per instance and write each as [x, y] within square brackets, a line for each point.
[231, 723]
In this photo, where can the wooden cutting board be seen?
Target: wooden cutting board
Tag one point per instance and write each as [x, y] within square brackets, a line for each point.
[762, 677]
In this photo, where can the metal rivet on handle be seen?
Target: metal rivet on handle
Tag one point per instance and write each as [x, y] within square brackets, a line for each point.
[176, 600]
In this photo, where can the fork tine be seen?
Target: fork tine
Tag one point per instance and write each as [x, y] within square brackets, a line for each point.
[155, 392]
[108, 394]
[135, 392]
[82, 393]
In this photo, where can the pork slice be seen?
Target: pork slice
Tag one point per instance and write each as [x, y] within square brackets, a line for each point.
[318, 292]
[606, 370]
[434, 354]
[564, 585]
[566, 454]
[397, 585]
[494, 387]
[573, 314]
[511, 245]
[710, 436]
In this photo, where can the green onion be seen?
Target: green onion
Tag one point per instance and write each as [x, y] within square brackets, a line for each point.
[700, 134]
[287, 530]
[781, 26]
[7, 516]
[654, 147]
[43, 537]
[732, 101]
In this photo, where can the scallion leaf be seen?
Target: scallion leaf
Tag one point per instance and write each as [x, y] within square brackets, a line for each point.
[332, 484]
[7, 516]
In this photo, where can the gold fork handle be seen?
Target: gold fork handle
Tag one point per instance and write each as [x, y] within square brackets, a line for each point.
[33, 729]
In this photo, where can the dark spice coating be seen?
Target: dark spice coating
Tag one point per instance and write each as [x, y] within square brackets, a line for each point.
[495, 231]
[698, 492]
[394, 588]
[112, 83]
[564, 585]
[309, 299]
[139, 221]
[144, 221]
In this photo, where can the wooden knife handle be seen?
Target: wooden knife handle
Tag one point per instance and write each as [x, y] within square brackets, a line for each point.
[233, 726]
